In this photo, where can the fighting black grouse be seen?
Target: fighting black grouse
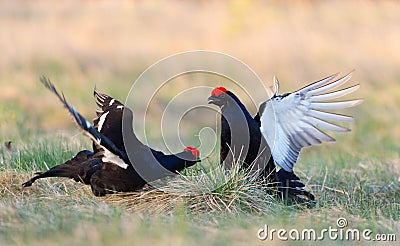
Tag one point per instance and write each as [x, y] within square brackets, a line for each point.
[108, 169]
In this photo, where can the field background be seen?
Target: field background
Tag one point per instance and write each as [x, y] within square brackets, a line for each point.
[81, 43]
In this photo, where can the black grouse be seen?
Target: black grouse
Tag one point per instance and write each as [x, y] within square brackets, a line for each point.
[241, 140]
[108, 169]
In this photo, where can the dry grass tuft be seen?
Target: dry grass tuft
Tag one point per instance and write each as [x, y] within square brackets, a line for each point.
[146, 200]
[202, 190]
[11, 186]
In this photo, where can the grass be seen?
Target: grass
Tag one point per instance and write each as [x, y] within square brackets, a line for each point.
[79, 44]
[221, 212]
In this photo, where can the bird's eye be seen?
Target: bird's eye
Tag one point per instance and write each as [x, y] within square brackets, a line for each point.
[222, 95]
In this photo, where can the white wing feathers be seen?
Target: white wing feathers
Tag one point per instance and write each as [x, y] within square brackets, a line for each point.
[293, 121]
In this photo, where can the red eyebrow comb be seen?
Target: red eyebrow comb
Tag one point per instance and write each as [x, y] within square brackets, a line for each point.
[218, 91]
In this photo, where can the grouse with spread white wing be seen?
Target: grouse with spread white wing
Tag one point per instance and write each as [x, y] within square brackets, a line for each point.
[242, 142]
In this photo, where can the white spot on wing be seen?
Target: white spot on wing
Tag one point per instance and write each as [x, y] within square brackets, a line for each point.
[111, 102]
[101, 121]
[120, 107]
[112, 158]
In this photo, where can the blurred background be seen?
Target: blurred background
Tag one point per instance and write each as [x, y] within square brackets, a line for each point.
[78, 44]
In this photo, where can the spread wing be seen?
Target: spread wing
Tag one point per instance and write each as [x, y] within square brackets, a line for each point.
[108, 151]
[293, 121]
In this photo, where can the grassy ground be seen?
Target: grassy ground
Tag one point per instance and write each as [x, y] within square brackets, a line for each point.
[81, 44]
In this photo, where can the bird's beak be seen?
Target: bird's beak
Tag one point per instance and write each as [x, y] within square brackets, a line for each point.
[213, 99]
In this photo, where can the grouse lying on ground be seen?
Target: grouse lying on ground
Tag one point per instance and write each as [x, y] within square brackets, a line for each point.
[108, 169]
[241, 140]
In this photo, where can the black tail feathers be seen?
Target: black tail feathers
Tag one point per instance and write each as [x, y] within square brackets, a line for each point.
[79, 168]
